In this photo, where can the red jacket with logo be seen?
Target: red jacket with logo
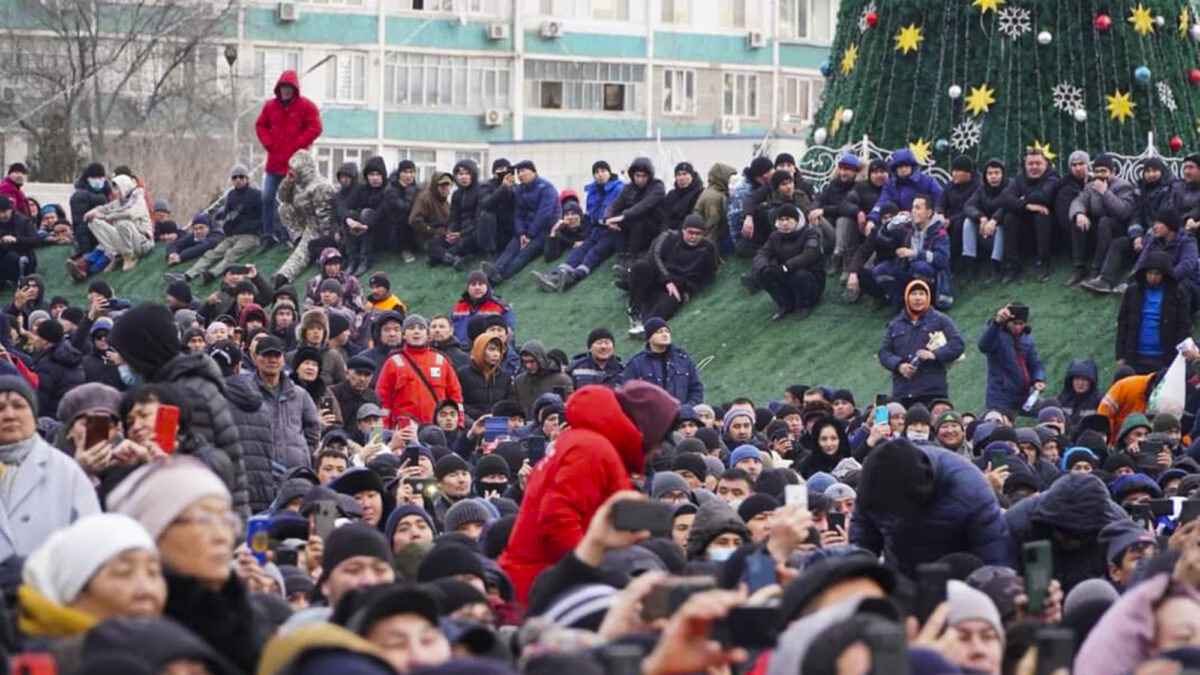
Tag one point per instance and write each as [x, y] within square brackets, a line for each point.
[284, 129]
[403, 393]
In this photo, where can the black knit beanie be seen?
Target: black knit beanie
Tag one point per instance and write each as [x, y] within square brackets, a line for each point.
[448, 465]
[448, 560]
[600, 333]
[146, 337]
[897, 478]
[352, 540]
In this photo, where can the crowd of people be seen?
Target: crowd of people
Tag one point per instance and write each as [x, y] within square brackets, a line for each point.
[302, 474]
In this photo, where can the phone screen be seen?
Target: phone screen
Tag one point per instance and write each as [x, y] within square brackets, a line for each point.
[493, 428]
[166, 428]
[882, 416]
[98, 427]
[1038, 571]
[796, 494]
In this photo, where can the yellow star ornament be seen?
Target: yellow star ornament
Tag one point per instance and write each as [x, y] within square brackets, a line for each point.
[1045, 148]
[1185, 21]
[849, 59]
[1142, 20]
[920, 150]
[909, 39]
[980, 99]
[985, 5]
[835, 125]
[1120, 106]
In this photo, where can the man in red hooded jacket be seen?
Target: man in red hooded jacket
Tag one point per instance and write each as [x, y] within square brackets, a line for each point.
[287, 123]
[611, 435]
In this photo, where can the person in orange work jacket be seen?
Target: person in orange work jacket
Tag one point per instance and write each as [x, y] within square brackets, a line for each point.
[406, 391]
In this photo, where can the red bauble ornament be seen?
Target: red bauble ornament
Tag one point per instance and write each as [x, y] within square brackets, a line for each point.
[1194, 76]
[1103, 23]
[1176, 143]
[872, 19]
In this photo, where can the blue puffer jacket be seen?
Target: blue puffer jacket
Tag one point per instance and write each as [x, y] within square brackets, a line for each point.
[600, 196]
[963, 516]
[672, 370]
[584, 371]
[900, 343]
[900, 191]
[1006, 387]
[1075, 503]
[536, 209]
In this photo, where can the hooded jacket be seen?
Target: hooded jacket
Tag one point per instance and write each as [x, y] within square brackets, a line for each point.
[379, 352]
[430, 213]
[645, 204]
[85, 198]
[467, 307]
[955, 196]
[129, 209]
[672, 370]
[905, 335]
[798, 249]
[464, 203]
[713, 519]
[258, 441]
[818, 460]
[901, 191]
[535, 208]
[1175, 321]
[364, 201]
[713, 204]
[529, 387]
[1185, 198]
[962, 515]
[1180, 250]
[593, 459]
[1076, 406]
[21, 227]
[690, 268]
[833, 199]
[284, 128]
[680, 202]
[397, 203]
[352, 297]
[1007, 383]
[1075, 503]
[59, 369]
[1152, 197]
[212, 417]
[342, 201]
[599, 197]
[1125, 635]
[482, 386]
[985, 202]
[306, 201]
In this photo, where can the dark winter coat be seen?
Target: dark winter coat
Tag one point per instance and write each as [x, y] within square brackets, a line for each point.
[1007, 386]
[480, 393]
[799, 249]
[59, 369]
[1175, 323]
[863, 198]
[584, 371]
[1185, 197]
[397, 202]
[497, 204]
[690, 268]
[817, 459]
[1024, 190]
[640, 204]
[190, 248]
[226, 619]
[1076, 406]
[535, 208]
[963, 516]
[84, 199]
[986, 202]
[1150, 199]
[295, 424]
[672, 370]
[464, 203]
[97, 368]
[341, 201]
[1078, 504]
[254, 429]
[680, 202]
[834, 199]
[242, 212]
[199, 377]
[903, 337]
[21, 227]
[767, 210]
[364, 197]
[453, 350]
[955, 196]
[530, 387]
[349, 401]
[1180, 250]
[901, 191]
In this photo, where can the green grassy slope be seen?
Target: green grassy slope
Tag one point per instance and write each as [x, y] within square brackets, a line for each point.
[746, 354]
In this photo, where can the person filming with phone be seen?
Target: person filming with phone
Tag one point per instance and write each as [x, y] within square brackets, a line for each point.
[1014, 368]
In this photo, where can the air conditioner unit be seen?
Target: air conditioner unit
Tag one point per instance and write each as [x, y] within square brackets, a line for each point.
[497, 31]
[731, 125]
[756, 39]
[493, 117]
[551, 29]
[288, 12]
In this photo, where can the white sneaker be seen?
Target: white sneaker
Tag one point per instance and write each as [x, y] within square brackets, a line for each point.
[636, 329]
[408, 257]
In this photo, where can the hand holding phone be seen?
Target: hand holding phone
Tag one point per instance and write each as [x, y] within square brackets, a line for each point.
[98, 427]
[1039, 569]
[931, 588]
[325, 518]
[257, 537]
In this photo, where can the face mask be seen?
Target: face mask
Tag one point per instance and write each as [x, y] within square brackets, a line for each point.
[735, 504]
[918, 436]
[498, 486]
[96, 183]
[127, 375]
[720, 554]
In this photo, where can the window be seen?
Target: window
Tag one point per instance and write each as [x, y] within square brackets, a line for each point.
[802, 95]
[679, 92]
[446, 81]
[732, 13]
[677, 12]
[740, 94]
[467, 6]
[563, 85]
[346, 78]
[330, 158]
[424, 158]
[269, 64]
[336, 3]
[610, 10]
[473, 155]
[807, 19]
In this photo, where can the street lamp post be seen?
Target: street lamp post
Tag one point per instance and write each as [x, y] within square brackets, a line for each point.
[231, 54]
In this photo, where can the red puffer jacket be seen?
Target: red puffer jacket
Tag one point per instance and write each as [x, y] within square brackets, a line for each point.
[284, 129]
[592, 460]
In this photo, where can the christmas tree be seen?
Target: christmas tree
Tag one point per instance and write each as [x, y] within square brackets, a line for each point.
[989, 78]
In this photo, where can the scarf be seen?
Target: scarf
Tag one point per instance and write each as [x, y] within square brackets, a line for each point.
[11, 457]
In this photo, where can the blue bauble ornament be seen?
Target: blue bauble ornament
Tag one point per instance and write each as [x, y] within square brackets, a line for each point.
[1141, 74]
[942, 145]
[827, 68]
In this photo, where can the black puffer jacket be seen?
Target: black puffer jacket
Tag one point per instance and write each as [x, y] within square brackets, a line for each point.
[798, 249]
[480, 393]
[464, 203]
[212, 415]
[365, 197]
[254, 428]
[397, 202]
[691, 268]
[644, 203]
[956, 195]
[985, 202]
[497, 204]
[681, 201]
[1175, 322]
[59, 369]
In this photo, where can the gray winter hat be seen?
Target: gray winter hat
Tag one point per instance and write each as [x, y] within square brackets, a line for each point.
[1080, 156]
[239, 169]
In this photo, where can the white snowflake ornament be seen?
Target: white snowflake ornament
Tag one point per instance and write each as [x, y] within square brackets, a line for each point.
[1166, 96]
[966, 135]
[1014, 22]
[1067, 97]
[862, 18]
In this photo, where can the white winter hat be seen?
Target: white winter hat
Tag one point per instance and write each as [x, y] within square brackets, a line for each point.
[61, 567]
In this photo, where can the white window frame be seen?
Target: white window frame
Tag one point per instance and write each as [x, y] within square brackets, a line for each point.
[740, 94]
[476, 7]
[677, 12]
[808, 20]
[413, 79]
[802, 95]
[609, 10]
[585, 86]
[267, 73]
[343, 65]
[424, 158]
[332, 157]
[335, 3]
[679, 91]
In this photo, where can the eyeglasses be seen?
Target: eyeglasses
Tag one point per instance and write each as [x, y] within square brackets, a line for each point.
[229, 520]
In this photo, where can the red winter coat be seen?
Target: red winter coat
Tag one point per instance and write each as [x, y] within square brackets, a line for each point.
[402, 392]
[284, 129]
[17, 196]
[592, 460]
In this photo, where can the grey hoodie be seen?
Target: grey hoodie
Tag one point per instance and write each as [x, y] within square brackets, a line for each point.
[712, 520]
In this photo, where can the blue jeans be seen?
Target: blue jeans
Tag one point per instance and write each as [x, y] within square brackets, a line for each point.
[887, 280]
[514, 258]
[599, 245]
[971, 239]
[270, 228]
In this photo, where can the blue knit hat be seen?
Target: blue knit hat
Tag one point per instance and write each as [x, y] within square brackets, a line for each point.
[1138, 482]
[820, 481]
[744, 452]
[850, 161]
[1076, 454]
